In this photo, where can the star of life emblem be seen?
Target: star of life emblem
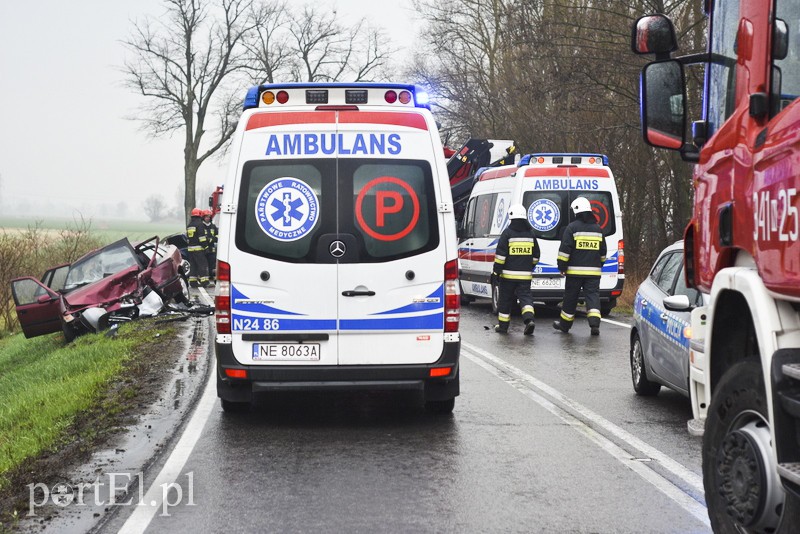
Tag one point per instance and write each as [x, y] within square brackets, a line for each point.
[287, 209]
[544, 215]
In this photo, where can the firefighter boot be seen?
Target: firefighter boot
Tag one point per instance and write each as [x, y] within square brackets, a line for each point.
[594, 325]
[529, 326]
[501, 328]
[558, 325]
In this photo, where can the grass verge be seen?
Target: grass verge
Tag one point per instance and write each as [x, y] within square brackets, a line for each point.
[47, 387]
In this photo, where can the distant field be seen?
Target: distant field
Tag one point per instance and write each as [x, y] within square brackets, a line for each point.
[107, 230]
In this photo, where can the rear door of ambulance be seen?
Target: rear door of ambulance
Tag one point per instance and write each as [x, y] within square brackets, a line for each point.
[391, 277]
[338, 256]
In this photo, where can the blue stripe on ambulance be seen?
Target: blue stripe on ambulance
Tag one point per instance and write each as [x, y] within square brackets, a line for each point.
[421, 322]
[236, 305]
[257, 317]
[438, 293]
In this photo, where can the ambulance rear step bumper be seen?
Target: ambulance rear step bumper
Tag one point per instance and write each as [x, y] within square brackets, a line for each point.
[338, 377]
[339, 385]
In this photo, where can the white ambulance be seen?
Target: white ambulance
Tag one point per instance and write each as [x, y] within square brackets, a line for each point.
[337, 246]
[546, 184]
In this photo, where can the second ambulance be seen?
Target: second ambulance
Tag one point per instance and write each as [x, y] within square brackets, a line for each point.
[546, 184]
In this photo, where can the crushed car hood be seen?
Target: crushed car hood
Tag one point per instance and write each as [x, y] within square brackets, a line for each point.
[107, 290]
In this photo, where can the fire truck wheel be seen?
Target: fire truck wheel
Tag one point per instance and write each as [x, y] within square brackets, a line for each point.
[743, 490]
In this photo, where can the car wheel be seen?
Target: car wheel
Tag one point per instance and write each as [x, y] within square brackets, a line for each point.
[465, 299]
[606, 307]
[234, 406]
[641, 385]
[743, 490]
[69, 333]
[495, 297]
[441, 406]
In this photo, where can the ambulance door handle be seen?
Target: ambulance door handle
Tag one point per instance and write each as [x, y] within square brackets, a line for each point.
[354, 293]
[664, 317]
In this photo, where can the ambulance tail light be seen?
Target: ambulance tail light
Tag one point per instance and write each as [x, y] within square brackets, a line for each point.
[452, 297]
[222, 300]
[621, 257]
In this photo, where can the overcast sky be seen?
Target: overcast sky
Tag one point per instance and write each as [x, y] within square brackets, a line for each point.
[65, 144]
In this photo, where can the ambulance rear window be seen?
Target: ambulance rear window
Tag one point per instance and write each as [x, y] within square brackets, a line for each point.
[549, 212]
[286, 207]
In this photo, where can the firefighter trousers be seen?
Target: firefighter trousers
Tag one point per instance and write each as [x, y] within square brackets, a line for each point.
[591, 295]
[511, 290]
[199, 266]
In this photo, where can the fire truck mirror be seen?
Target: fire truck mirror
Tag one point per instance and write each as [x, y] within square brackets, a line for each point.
[664, 104]
[653, 34]
[780, 40]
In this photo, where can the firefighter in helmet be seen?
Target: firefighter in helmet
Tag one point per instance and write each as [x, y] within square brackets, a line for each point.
[211, 243]
[580, 258]
[196, 235]
[516, 255]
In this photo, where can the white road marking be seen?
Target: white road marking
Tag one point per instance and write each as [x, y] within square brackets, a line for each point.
[204, 293]
[616, 323]
[144, 512]
[523, 382]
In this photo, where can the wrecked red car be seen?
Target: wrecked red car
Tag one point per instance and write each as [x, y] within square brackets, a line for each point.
[116, 283]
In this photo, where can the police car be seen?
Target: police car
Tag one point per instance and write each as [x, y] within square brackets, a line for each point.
[337, 248]
[661, 335]
[546, 185]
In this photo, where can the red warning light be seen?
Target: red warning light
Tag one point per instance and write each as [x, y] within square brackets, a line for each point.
[282, 97]
[390, 96]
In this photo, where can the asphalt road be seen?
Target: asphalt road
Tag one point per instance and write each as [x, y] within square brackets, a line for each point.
[547, 436]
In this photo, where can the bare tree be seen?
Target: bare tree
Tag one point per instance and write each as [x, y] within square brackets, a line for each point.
[180, 62]
[313, 45]
[559, 76]
[154, 207]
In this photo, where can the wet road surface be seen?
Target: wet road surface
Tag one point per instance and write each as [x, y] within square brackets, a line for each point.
[547, 436]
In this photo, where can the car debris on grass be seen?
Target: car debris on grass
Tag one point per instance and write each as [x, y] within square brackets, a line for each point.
[116, 283]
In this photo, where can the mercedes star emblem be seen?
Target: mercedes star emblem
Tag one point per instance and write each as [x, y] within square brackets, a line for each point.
[337, 249]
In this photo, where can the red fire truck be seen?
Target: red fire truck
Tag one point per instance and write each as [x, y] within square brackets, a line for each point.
[742, 247]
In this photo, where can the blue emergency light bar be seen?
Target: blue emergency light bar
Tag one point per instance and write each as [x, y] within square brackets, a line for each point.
[567, 157]
[356, 93]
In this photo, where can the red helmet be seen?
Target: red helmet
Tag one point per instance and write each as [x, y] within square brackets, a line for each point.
[197, 212]
[208, 212]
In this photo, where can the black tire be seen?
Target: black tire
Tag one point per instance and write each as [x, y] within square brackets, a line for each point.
[234, 406]
[495, 297]
[441, 406]
[743, 490]
[606, 307]
[69, 333]
[641, 384]
[465, 299]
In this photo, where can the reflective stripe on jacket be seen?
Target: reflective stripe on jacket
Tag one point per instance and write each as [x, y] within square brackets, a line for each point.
[196, 235]
[517, 252]
[583, 249]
